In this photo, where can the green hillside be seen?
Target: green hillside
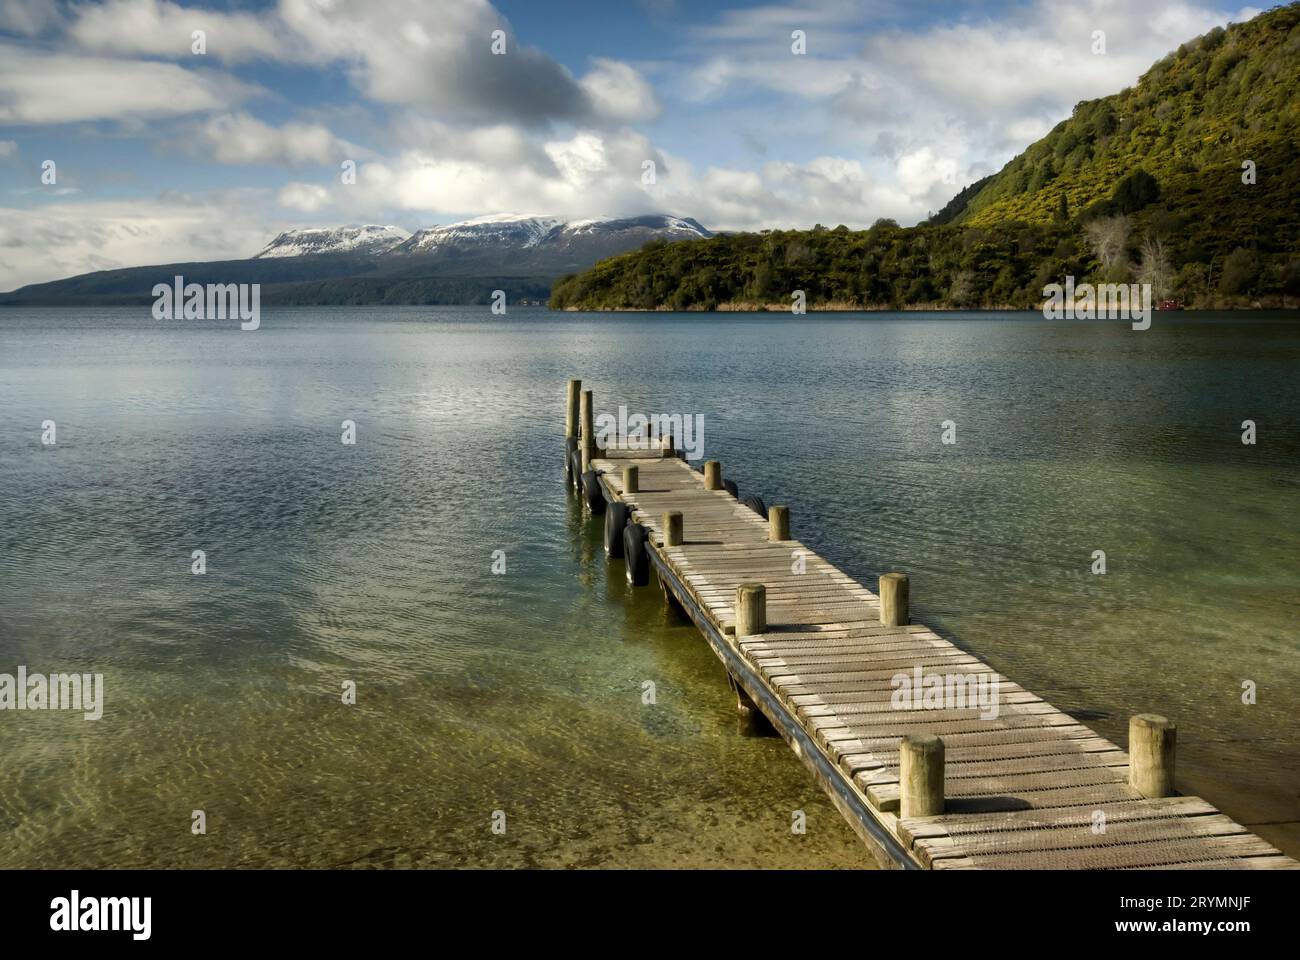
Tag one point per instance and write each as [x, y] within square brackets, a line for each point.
[1146, 185]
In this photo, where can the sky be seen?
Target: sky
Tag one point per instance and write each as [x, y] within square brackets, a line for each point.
[124, 141]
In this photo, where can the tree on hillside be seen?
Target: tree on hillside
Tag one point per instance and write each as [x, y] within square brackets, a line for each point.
[1240, 270]
[962, 291]
[1155, 268]
[1136, 191]
[1108, 237]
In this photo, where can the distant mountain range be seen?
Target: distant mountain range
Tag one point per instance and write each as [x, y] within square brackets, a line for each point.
[453, 263]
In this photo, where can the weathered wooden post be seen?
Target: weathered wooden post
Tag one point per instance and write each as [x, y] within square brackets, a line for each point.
[745, 705]
[712, 475]
[666, 443]
[631, 479]
[571, 408]
[673, 528]
[920, 776]
[751, 609]
[588, 440]
[778, 520]
[893, 598]
[571, 426]
[1151, 742]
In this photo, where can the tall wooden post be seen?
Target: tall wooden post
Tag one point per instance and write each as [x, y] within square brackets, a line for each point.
[751, 609]
[588, 440]
[571, 409]
[1151, 743]
[712, 475]
[894, 599]
[920, 776]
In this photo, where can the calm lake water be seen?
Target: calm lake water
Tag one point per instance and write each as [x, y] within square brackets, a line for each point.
[521, 693]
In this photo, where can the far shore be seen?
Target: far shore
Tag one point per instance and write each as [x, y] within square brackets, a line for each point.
[1271, 303]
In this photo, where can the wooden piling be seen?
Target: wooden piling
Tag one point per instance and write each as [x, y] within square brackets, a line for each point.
[587, 442]
[571, 408]
[745, 705]
[751, 609]
[778, 520]
[920, 776]
[712, 475]
[893, 598]
[673, 528]
[631, 480]
[1151, 742]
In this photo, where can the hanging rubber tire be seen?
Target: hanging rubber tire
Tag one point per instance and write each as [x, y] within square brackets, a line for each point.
[635, 554]
[731, 488]
[755, 503]
[615, 520]
[575, 469]
[591, 492]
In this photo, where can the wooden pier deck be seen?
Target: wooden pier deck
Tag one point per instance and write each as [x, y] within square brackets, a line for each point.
[1028, 788]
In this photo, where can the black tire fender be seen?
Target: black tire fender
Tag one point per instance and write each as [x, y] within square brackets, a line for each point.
[592, 493]
[570, 447]
[636, 555]
[575, 469]
[615, 520]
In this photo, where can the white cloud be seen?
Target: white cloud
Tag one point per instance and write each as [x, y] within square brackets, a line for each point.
[829, 190]
[620, 93]
[27, 17]
[7, 149]
[305, 197]
[59, 240]
[160, 28]
[240, 139]
[431, 53]
[63, 88]
[495, 169]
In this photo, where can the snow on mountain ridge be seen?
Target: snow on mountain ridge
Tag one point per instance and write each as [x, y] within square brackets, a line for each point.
[369, 238]
[525, 230]
[506, 230]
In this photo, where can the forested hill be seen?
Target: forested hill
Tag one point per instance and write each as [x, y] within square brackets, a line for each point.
[1146, 185]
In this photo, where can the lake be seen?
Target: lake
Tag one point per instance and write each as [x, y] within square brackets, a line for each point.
[330, 564]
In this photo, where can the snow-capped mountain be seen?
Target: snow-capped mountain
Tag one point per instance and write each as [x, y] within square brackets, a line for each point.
[685, 226]
[456, 263]
[369, 238]
[526, 232]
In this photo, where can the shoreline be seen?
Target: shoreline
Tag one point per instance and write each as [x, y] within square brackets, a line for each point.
[742, 307]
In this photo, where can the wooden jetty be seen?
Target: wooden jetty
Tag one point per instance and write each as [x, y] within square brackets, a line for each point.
[939, 785]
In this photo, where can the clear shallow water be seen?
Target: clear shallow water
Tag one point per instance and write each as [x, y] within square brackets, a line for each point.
[522, 692]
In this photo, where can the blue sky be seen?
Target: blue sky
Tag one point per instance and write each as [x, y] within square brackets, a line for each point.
[162, 154]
